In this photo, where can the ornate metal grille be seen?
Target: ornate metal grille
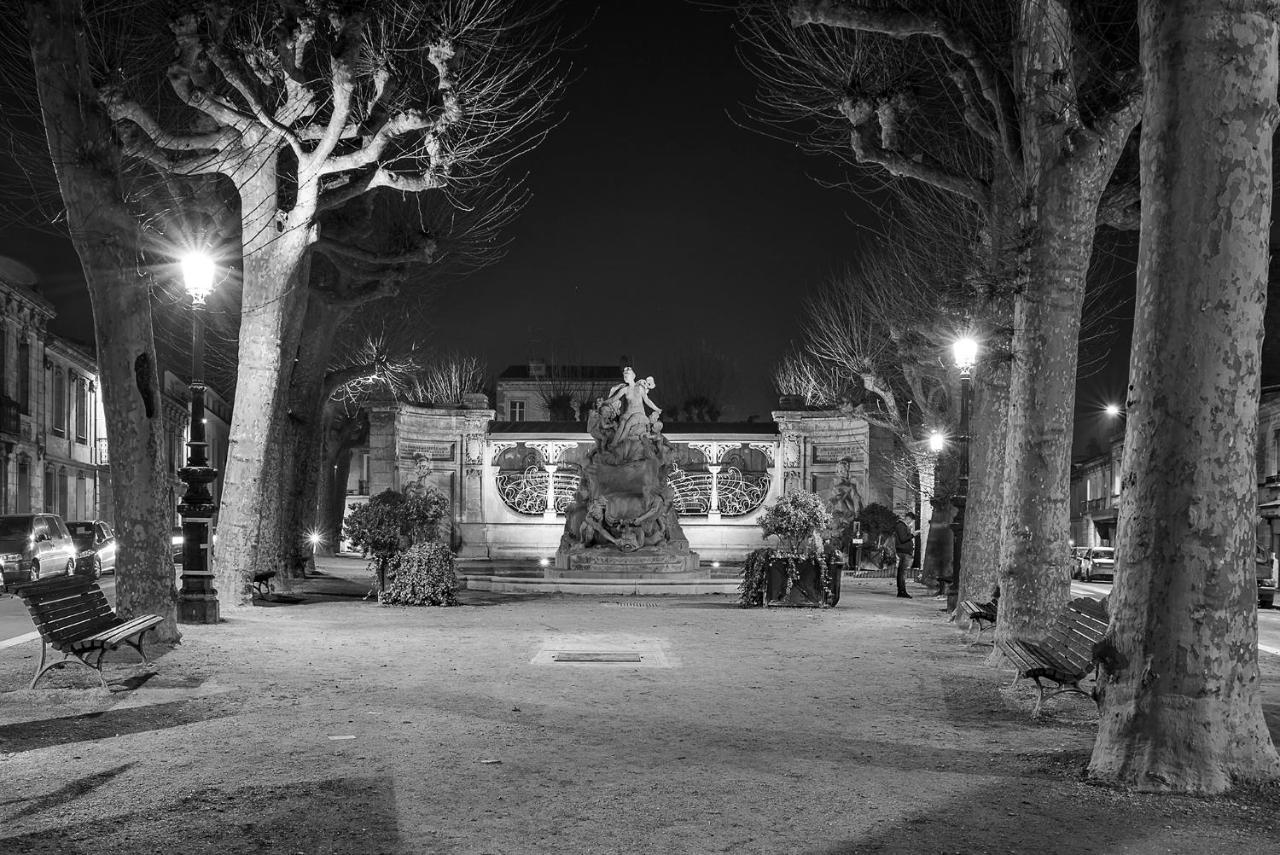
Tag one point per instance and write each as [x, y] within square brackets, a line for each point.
[525, 491]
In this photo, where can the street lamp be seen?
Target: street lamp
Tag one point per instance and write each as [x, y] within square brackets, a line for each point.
[965, 351]
[197, 600]
[937, 442]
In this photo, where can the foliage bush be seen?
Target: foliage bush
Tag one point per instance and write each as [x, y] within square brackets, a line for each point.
[877, 520]
[422, 575]
[391, 522]
[798, 520]
[755, 577]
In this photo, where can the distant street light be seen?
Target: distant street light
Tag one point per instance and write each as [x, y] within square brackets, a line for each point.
[1112, 410]
[937, 442]
[197, 600]
[965, 351]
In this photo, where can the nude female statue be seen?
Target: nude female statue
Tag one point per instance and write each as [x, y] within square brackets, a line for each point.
[634, 423]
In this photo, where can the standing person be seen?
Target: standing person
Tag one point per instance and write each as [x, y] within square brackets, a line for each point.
[904, 537]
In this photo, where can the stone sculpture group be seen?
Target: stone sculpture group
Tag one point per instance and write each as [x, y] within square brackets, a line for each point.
[625, 504]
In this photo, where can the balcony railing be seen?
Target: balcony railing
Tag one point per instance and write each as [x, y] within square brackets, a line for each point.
[1092, 506]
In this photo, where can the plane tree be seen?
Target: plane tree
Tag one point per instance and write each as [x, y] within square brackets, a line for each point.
[304, 108]
[1020, 111]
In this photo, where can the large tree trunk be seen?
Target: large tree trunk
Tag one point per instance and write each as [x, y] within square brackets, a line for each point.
[980, 550]
[1067, 167]
[342, 433]
[270, 303]
[1035, 580]
[105, 236]
[304, 437]
[1181, 708]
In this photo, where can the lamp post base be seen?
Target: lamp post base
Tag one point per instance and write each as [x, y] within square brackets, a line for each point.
[197, 601]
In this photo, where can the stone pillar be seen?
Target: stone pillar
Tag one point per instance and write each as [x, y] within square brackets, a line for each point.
[550, 512]
[713, 511]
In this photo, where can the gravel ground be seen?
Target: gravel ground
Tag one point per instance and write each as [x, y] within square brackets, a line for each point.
[334, 725]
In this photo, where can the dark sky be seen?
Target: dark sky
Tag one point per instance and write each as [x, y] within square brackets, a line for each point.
[656, 223]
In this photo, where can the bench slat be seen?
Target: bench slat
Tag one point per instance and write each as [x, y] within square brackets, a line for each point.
[116, 635]
[54, 612]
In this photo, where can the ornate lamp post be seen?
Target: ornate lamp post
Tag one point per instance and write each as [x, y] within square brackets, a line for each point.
[965, 351]
[197, 600]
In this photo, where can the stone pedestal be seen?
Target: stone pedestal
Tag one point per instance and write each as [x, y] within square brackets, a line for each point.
[644, 563]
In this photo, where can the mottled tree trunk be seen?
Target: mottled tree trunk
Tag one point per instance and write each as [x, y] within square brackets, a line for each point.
[1181, 709]
[1066, 166]
[106, 239]
[989, 419]
[1035, 579]
[304, 437]
[269, 305]
[980, 551]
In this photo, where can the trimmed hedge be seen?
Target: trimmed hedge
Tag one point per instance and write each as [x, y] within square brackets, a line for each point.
[422, 575]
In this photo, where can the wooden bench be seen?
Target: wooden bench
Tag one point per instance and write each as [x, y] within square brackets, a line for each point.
[262, 582]
[981, 615]
[1065, 657]
[74, 618]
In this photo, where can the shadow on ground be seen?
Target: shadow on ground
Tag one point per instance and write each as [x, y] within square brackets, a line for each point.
[296, 817]
[86, 727]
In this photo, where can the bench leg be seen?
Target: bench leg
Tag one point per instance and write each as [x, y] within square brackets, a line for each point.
[137, 644]
[1035, 711]
[42, 669]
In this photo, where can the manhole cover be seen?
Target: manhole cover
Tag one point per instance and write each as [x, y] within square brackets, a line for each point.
[596, 656]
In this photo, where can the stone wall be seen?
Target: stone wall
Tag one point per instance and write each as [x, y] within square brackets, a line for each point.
[457, 451]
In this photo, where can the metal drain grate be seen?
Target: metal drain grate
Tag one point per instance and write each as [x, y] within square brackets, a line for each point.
[596, 656]
[639, 604]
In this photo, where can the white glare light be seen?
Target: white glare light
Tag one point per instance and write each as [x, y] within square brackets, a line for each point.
[937, 442]
[197, 274]
[966, 352]
[1112, 410]
[544, 562]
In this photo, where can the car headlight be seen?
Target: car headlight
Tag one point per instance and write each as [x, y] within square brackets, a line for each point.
[9, 557]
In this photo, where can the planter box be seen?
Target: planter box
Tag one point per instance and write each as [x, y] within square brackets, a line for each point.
[807, 588]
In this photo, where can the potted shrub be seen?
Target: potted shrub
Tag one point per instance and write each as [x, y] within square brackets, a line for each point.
[801, 570]
[400, 533]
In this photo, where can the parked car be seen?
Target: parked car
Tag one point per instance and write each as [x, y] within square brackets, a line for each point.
[1077, 560]
[1098, 562]
[95, 545]
[1268, 572]
[33, 546]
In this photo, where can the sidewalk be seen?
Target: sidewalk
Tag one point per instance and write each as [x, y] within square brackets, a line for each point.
[334, 725]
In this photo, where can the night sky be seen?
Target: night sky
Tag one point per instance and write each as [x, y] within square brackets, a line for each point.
[657, 221]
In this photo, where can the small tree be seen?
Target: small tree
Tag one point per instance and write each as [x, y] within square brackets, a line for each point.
[877, 521]
[798, 520]
[391, 522]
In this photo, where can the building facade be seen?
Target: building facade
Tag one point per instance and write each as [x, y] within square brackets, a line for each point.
[1095, 483]
[52, 428]
[530, 392]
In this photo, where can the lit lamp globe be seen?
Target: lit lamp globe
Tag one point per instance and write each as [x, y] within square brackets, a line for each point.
[1112, 410]
[937, 442]
[197, 276]
[965, 351]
